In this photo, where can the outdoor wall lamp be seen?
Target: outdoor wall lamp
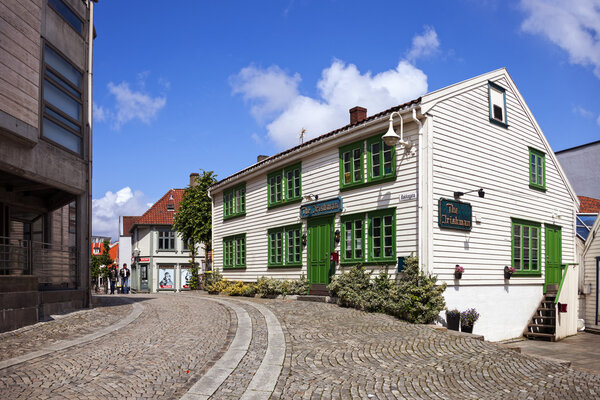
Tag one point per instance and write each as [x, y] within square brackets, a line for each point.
[311, 197]
[304, 239]
[336, 236]
[480, 192]
[391, 138]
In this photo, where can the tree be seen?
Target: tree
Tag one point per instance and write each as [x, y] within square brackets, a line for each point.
[193, 220]
[99, 263]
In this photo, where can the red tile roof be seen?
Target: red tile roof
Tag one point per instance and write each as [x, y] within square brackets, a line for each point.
[589, 205]
[158, 214]
[128, 222]
[318, 138]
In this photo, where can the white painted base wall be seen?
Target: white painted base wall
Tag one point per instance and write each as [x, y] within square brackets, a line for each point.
[505, 310]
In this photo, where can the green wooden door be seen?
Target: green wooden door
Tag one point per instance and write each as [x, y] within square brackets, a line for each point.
[320, 246]
[553, 256]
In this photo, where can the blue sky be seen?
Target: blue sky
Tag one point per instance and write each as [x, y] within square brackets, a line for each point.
[210, 85]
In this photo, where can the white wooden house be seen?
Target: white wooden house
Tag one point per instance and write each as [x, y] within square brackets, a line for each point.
[347, 195]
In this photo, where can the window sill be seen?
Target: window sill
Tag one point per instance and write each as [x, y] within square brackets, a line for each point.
[368, 262]
[228, 268]
[351, 263]
[499, 123]
[234, 216]
[166, 251]
[368, 183]
[285, 266]
[527, 274]
[277, 205]
[536, 187]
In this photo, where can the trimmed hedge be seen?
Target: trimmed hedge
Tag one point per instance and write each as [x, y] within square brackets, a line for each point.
[265, 287]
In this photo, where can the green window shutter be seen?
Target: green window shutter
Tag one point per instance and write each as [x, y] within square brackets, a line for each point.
[351, 165]
[537, 169]
[234, 202]
[234, 251]
[381, 160]
[293, 183]
[382, 235]
[352, 240]
[285, 246]
[526, 247]
[284, 186]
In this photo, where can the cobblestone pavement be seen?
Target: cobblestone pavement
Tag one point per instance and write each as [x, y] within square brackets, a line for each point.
[331, 353]
[339, 353]
[107, 310]
[159, 355]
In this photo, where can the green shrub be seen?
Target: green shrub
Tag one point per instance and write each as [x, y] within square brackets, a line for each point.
[249, 290]
[352, 288]
[268, 286]
[218, 287]
[235, 288]
[415, 297]
[211, 277]
[298, 286]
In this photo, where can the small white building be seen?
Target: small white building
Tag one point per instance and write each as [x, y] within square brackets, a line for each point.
[347, 195]
[161, 260]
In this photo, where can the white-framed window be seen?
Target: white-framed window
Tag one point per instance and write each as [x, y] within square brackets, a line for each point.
[166, 240]
[497, 101]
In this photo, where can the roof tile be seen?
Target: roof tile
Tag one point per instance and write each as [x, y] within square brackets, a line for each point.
[589, 205]
[158, 213]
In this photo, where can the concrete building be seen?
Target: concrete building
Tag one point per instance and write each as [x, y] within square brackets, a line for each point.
[347, 198]
[161, 258]
[45, 158]
[582, 166]
[125, 253]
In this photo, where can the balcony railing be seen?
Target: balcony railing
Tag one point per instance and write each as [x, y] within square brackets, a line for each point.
[54, 265]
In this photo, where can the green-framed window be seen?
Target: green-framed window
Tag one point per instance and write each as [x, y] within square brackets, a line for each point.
[353, 238]
[234, 202]
[284, 186]
[382, 235]
[537, 169]
[526, 247]
[234, 251]
[352, 164]
[497, 102]
[285, 246]
[381, 160]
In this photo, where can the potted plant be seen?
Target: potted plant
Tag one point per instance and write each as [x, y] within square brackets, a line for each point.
[458, 271]
[453, 319]
[467, 320]
[508, 271]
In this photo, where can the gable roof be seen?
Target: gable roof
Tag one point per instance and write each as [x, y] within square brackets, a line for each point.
[128, 222]
[308, 143]
[589, 205]
[159, 214]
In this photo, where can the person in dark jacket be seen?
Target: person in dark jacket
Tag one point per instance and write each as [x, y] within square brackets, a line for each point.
[113, 276]
[125, 273]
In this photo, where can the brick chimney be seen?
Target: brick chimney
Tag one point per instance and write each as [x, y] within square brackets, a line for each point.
[193, 177]
[357, 114]
[261, 158]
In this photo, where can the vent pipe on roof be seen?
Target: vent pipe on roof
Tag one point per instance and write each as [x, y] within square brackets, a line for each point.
[261, 158]
[357, 114]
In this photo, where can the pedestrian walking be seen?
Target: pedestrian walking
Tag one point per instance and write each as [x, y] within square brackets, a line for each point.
[125, 273]
[113, 277]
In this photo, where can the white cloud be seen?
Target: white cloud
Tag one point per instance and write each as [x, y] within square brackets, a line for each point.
[579, 110]
[106, 210]
[100, 113]
[132, 105]
[423, 45]
[572, 25]
[269, 90]
[274, 94]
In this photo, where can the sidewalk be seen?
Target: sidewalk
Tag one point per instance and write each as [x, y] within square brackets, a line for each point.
[582, 350]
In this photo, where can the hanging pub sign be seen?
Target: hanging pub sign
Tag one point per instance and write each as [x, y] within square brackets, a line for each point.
[323, 207]
[453, 214]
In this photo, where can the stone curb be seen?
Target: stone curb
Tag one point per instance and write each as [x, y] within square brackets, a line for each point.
[208, 384]
[65, 344]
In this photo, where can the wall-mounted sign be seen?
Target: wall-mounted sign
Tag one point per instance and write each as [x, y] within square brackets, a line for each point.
[145, 259]
[165, 278]
[323, 207]
[453, 214]
[408, 196]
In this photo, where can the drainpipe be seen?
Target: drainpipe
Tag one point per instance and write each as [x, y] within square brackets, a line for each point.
[89, 115]
[419, 191]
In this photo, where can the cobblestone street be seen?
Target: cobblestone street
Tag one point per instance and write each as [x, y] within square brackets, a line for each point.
[198, 347]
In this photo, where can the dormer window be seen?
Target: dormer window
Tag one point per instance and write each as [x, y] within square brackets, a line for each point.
[170, 207]
[497, 102]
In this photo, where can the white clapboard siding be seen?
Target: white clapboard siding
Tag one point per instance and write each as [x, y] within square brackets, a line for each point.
[470, 152]
[320, 175]
[589, 272]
